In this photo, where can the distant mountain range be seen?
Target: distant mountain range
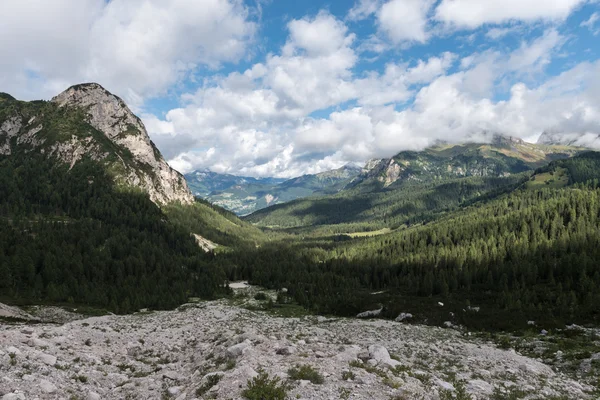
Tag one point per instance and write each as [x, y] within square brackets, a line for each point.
[390, 192]
[245, 195]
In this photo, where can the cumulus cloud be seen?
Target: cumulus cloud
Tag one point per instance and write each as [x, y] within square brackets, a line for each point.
[474, 13]
[405, 20]
[136, 48]
[259, 123]
[315, 102]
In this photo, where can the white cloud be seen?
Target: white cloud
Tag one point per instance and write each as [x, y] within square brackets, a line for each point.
[474, 13]
[404, 20]
[136, 48]
[363, 9]
[590, 23]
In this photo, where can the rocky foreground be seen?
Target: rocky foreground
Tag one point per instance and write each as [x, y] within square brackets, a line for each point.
[211, 350]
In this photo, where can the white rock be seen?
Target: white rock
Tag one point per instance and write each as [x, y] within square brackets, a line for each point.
[369, 314]
[444, 385]
[13, 350]
[93, 396]
[47, 359]
[480, 386]
[403, 316]
[239, 349]
[174, 391]
[14, 396]
[382, 356]
[47, 387]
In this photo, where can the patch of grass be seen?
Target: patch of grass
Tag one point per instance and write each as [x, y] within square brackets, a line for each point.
[369, 368]
[81, 378]
[263, 387]
[210, 382]
[306, 373]
[344, 393]
[348, 375]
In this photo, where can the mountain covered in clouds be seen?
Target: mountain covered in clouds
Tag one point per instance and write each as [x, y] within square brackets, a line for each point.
[244, 195]
[586, 139]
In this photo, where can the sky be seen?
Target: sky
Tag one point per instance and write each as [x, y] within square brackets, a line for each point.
[283, 88]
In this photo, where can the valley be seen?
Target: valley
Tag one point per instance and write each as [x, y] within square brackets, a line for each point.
[491, 249]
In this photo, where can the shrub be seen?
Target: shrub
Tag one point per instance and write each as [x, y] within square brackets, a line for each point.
[262, 387]
[348, 375]
[211, 381]
[260, 296]
[306, 373]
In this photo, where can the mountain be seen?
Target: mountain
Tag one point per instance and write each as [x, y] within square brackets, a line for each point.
[86, 121]
[91, 214]
[554, 137]
[414, 186]
[244, 195]
[203, 183]
[501, 157]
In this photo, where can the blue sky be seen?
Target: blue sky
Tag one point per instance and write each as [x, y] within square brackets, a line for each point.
[282, 88]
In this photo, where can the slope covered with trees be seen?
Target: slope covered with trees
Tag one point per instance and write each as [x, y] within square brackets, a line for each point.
[71, 236]
[530, 253]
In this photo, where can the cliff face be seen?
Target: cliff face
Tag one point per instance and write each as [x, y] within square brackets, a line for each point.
[88, 121]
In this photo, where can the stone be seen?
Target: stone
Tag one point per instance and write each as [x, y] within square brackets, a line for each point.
[174, 391]
[382, 356]
[47, 387]
[479, 386]
[403, 316]
[172, 375]
[27, 331]
[364, 356]
[369, 314]
[14, 396]
[444, 385]
[285, 351]
[93, 396]
[13, 350]
[320, 354]
[239, 349]
[47, 359]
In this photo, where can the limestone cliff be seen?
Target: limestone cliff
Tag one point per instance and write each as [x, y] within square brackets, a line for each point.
[88, 121]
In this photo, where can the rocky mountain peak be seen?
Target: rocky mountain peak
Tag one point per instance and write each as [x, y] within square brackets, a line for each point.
[133, 160]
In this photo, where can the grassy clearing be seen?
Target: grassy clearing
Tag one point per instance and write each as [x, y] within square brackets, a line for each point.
[383, 231]
[555, 180]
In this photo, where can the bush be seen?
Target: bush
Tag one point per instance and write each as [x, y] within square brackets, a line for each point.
[306, 373]
[211, 381]
[263, 387]
[260, 296]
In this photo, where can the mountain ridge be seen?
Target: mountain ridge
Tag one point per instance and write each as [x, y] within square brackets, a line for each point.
[244, 195]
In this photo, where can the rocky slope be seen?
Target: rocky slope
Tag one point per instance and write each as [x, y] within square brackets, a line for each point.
[88, 121]
[211, 350]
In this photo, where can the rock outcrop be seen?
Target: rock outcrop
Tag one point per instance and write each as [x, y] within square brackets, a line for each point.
[92, 111]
